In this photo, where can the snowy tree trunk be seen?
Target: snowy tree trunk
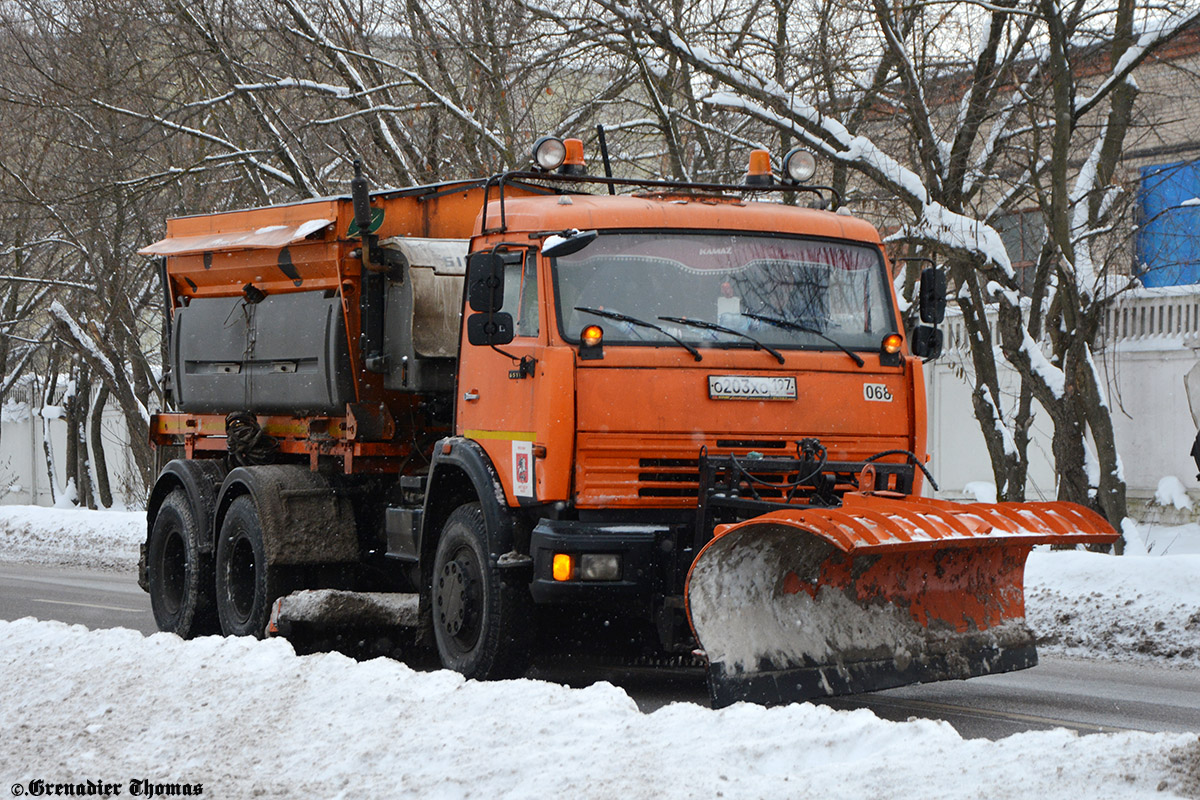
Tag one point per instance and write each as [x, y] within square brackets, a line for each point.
[47, 448]
[99, 460]
[78, 463]
[8, 309]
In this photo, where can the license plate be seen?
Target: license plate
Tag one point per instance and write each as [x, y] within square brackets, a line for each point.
[750, 387]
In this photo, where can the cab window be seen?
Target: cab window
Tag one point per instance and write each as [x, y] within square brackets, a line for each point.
[521, 295]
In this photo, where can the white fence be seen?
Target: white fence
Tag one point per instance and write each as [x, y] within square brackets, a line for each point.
[24, 478]
[1150, 341]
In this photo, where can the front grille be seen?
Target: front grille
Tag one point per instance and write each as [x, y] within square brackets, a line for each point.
[663, 470]
[671, 471]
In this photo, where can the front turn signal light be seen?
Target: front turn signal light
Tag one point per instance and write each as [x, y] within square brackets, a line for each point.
[892, 342]
[563, 567]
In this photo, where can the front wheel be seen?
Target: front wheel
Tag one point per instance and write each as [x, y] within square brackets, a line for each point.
[481, 623]
[247, 585]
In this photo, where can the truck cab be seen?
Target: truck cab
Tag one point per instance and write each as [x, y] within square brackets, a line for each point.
[636, 337]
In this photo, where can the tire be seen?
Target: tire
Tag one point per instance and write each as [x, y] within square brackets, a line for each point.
[482, 624]
[179, 576]
[246, 586]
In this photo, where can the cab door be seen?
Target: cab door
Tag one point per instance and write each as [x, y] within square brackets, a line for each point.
[503, 389]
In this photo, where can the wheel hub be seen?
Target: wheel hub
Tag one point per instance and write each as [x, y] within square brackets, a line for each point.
[456, 585]
[172, 569]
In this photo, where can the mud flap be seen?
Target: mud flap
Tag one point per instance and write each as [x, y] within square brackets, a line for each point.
[810, 603]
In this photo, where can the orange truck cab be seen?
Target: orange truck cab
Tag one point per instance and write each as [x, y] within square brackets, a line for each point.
[507, 415]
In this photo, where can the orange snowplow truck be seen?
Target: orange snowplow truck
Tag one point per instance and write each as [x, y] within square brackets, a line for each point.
[514, 416]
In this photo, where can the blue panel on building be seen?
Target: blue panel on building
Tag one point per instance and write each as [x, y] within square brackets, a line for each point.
[1168, 241]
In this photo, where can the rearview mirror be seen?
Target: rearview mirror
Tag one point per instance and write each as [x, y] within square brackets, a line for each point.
[932, 302]
[490, 329]
[927, 342]
[485, 281]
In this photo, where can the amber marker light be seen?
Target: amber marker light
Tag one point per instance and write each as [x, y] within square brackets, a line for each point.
[591, 343]
[592, 335]
[892, 342]
[563, 566]
[759, 173]
[573, 152]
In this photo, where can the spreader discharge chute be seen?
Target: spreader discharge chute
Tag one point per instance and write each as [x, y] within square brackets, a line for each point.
[881, 591]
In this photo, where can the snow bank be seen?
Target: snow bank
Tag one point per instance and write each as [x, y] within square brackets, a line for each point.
[247, 719]
[1125, 607]
[1171, 492]
[106, 540]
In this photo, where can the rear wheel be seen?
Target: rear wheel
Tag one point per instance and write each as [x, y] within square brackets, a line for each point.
[482, 624]
[180, 577]
[247, 586]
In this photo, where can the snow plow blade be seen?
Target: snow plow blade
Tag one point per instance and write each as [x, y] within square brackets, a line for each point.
[881, 592]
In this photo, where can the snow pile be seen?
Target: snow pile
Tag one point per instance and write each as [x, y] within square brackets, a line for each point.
[245, 719]
[71, 537]
[1171, 492]
[982, 491]
[1127, 607]
[1185, 766]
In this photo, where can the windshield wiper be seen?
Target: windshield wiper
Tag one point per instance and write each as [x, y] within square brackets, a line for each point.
[712, 326]
[600, 312]
[795, 326]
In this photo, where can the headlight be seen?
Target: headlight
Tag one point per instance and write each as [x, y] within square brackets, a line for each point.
[600, 567]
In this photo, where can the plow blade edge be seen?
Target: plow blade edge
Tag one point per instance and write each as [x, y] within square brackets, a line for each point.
[881, 592]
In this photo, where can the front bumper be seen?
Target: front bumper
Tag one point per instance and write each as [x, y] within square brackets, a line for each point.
[646, 551]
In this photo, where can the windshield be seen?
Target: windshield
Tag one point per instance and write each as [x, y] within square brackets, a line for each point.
[834, 289]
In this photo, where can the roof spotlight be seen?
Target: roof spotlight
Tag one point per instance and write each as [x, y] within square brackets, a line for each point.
[549, 152]
[799, 165]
